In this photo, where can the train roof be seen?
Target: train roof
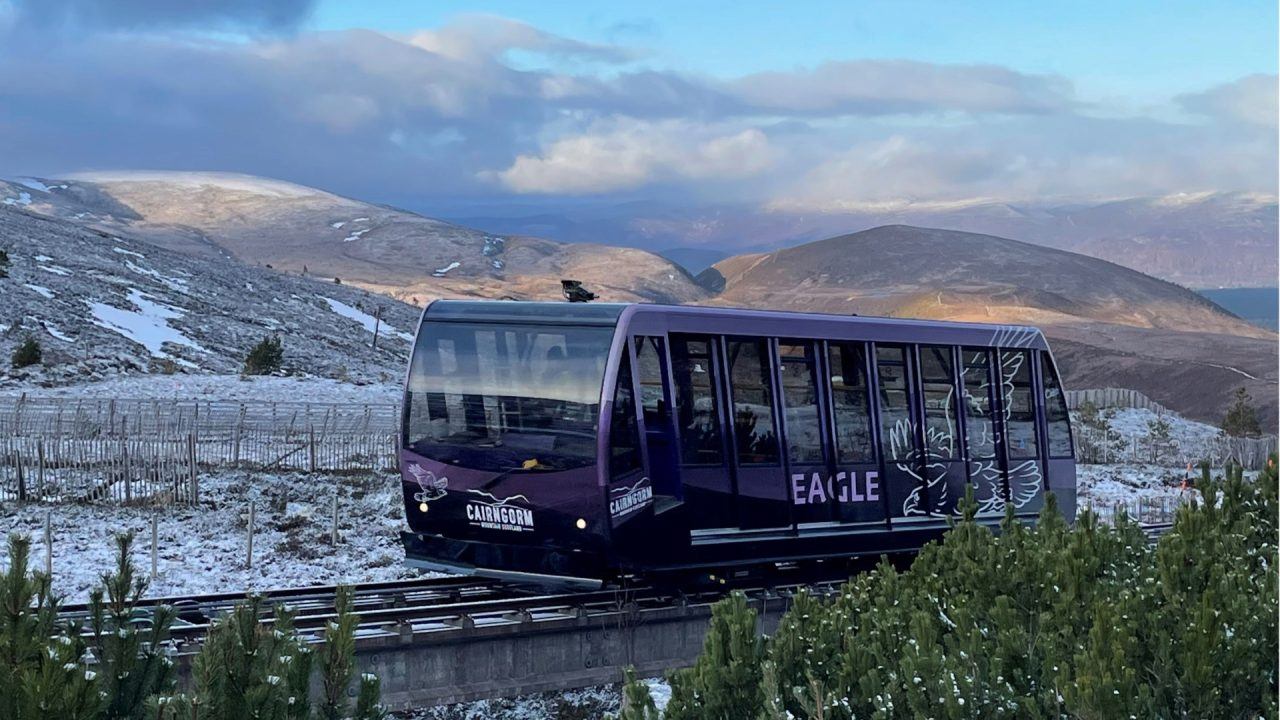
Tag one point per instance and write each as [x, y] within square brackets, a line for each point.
[780, 323]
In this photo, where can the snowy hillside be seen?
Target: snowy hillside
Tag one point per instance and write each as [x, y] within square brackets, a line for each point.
[102, 306]
[298, 229]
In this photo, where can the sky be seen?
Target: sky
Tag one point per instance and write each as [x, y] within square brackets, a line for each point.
[809, 106]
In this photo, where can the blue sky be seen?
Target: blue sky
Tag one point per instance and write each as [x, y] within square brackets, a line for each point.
[818, 106]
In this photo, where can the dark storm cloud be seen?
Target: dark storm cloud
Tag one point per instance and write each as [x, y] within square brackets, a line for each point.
[252, 15]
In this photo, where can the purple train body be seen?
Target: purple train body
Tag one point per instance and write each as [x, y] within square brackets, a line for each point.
[580, 443]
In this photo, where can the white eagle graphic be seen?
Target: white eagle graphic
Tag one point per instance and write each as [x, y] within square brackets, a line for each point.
[433, 488]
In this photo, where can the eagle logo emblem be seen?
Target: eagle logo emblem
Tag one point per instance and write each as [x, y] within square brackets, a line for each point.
[433, 488]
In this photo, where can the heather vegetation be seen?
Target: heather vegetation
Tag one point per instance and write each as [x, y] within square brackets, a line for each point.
[121, 664]
[1089, 621]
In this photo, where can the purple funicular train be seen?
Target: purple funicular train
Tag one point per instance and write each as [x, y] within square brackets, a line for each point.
[580, 444]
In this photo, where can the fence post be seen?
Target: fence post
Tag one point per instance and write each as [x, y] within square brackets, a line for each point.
[22, 478]
[155, 532]
[333, 539]
[48, 545]
[248, 560]
[311, 444]
[128, 471]
[191, 464]
[40, 465]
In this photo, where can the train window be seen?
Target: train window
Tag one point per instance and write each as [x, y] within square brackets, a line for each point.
[649, 358]
[976, 380]
[753, 430]
[1055, 410]
[800, 400]
[696, 410]
[1019, 405]
[937, 381]
[895, 408]
[624, 434]
[486, 396]
[849, 402]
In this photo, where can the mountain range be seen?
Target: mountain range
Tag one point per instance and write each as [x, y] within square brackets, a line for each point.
[1200, 240]
[136, 272]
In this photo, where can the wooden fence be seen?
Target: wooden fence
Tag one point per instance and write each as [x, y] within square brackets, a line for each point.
[153, 451]
[1096, 446]
[117, 417]
[1113, 398]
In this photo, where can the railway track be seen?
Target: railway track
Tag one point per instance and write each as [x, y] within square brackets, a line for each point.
[404, 607]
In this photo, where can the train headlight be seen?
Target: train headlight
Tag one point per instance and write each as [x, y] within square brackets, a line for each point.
[422, 507]
[581, 524]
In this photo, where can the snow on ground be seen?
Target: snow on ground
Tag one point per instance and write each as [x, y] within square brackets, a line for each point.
[202, 549]
[34, 184]
[1104, 486]
[55, 269]
[225, 387]
[592, 702]
[441, 272]
[355, 235]
[177, 284]
[54, 331]
[24, 198]
[1188, 435]
[122, 251]
[368, 321]
[148, 325]
[39, 290]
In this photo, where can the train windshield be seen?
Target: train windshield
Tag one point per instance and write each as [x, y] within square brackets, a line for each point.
[490, 396]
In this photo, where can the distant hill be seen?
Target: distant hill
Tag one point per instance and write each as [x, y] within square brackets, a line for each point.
[297, 229]
[1199, 240]
[1111, 325]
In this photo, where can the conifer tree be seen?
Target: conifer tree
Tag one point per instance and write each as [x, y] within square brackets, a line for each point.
[1241, 419]
[42, 669]
[4, 263]
[265, 358]
[724, 684]
[336, 658]
[131, 661]
[637, 702]
[27, 354]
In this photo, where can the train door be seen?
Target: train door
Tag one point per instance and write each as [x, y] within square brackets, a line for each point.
[813, 491]
[900, 437]
[985, 451]
[859, 488]
[706, 478]
[944, 473]
[657, 429]
[764, 499]
[1023, 469]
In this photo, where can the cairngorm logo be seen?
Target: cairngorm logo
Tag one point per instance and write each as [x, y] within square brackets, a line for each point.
[432, 488]
[627, 500]
[499, 513]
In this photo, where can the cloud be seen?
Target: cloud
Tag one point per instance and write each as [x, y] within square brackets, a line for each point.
[1062, 159]
[631, 154]
[878, 87]
[1250, 100]
[250, 15]
[459, 112]
[480, 38]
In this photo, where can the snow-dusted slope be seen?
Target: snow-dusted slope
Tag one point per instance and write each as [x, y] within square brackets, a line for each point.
[293, 228]
[102, 305]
